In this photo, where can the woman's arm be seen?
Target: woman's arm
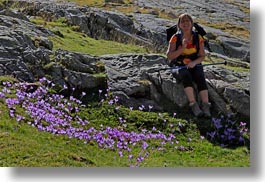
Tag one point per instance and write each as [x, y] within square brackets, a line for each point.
[172, 52]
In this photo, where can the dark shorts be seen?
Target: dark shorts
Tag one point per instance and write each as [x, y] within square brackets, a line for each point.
[188, 76]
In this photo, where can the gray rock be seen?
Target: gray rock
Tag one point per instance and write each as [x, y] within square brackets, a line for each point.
[147, 29]
[136, 76]
[238, 100]
[26, 53]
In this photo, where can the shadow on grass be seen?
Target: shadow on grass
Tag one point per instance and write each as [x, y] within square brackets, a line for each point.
[225, 131]
[231, 131]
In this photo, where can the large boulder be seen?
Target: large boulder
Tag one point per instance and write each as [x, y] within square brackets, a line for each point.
[139, 80]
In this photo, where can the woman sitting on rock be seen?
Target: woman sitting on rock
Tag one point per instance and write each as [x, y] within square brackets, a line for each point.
[190, 55]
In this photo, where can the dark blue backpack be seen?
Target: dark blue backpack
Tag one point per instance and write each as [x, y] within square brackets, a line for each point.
[174, 29]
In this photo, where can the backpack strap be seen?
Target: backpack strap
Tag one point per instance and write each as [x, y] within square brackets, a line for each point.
[179, 39]
[196, 41]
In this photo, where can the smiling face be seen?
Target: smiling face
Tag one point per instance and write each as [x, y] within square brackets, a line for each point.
[185, 22]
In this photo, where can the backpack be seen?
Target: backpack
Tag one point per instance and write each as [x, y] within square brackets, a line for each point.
[199, 30]
[174, 29]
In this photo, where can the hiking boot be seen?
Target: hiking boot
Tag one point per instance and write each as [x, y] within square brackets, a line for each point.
[196, 109]
[206, 109]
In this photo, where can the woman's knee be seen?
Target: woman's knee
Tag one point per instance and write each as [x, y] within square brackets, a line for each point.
[186, 78]
[202, 86]
[185, 74]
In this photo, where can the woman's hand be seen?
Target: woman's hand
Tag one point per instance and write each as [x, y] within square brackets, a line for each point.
[184, 42]
[192, 64]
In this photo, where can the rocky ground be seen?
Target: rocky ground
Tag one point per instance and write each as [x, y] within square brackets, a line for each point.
[25, 49]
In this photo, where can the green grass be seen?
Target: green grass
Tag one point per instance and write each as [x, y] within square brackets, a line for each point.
[73, 40]
[93, 3]
[23, 145]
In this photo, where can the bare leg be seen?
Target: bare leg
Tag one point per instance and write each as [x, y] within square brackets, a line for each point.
[193, 104]
[190, 94]
[205, 103]
[204, 96]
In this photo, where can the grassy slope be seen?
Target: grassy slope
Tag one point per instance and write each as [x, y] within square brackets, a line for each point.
[23, 145]
[73, 40]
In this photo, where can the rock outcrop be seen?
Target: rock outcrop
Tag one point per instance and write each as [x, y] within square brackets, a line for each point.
[27, 54]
